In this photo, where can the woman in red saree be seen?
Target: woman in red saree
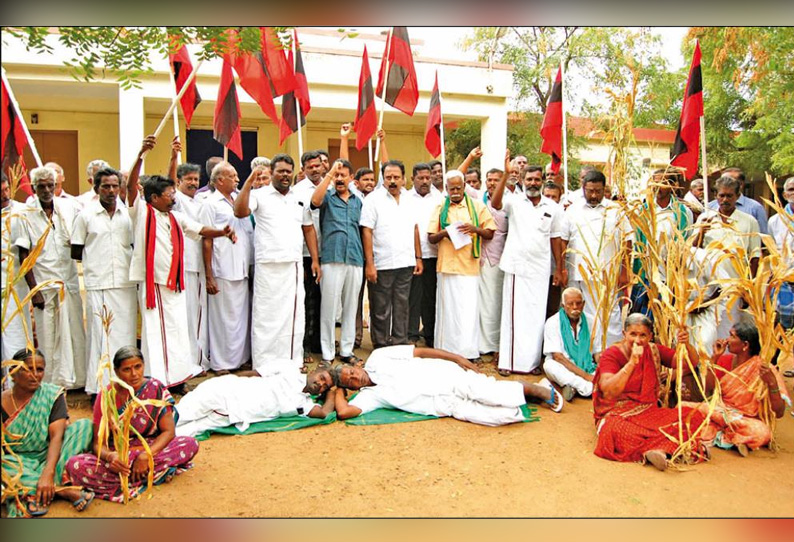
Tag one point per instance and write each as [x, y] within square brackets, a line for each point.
[744, 381]
[630, 424]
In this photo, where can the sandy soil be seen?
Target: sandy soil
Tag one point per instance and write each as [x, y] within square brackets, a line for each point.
[451, 468]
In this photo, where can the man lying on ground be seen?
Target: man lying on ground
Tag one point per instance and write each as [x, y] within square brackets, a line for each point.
[435, 382]
[251, 397]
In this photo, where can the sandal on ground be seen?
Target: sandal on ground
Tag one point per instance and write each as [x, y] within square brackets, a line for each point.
[495, 358]
[307, 359]
[657, 458]
[324, 364]
[789, 373]
[743, 450]
[353, 360]
[33, 509]
[504, 372]
[85, 500]
[556, 401]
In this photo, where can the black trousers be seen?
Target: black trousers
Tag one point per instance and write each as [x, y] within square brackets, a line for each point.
[311, 337]
[422, 303]
[388, 307]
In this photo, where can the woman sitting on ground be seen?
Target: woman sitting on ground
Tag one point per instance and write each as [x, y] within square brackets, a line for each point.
[172, 455]
[744, 381]
[36, 412]
[630, 424]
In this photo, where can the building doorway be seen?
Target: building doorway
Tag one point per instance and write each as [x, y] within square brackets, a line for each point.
[201, 146]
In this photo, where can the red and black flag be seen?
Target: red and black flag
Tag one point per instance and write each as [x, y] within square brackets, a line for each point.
[434, 119]
[366, 121]
[14, 139]
[251, 70]
[226, 126]
[402, 89]
[182, 68]
[684, 153]
[551, 131]
[289, 113]
[279, 69]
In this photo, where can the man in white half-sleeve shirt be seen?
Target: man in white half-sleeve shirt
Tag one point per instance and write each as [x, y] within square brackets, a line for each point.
[434, 382]
[537, 234]
[59, 322]
[158, 265]
[102, 240]
[226, 265]
[283, 224]
[392, 255]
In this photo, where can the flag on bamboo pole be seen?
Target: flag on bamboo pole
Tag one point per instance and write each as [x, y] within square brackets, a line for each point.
[14, 139]
[251, 70]
[226, 125]
[289, 113]
[685, 149]
[366, 121]
[402, 89]
[279, 69]
[433, 141]
[182, 68]
[551, 131]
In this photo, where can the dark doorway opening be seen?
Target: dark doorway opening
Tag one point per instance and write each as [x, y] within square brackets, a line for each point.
[201, 146]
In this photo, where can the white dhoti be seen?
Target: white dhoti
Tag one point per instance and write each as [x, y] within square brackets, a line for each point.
[165, 342]
[61, 337]
[558, 374]
[196, 302]
[229, 311]
[278, 315]
[457, 319]
[703, 330]
[122, 303]
[490, 287]
[484, 400]
[615, 325]
[340, 286]
[523, 317]
[14, 336]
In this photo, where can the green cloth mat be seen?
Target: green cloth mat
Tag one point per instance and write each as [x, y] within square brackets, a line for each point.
[286, 423]
[383, 416]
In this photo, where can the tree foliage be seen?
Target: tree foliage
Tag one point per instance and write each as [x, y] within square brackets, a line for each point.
[748, 79]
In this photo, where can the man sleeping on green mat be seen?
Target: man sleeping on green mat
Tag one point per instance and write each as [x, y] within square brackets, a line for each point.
[436, 383]
[243, 400]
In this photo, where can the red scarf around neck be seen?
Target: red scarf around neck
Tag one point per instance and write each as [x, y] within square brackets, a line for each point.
[176, 276]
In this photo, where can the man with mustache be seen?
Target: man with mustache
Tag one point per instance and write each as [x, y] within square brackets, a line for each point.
[392, 255]
[566, 345]
[458, 268]
[744, 204]
[158, 264]
[342, 257]
[537, 233]
[733, 229]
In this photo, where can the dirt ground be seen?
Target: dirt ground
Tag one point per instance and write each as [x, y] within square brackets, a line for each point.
[445, 468]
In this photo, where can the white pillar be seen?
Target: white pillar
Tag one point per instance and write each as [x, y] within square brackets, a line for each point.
[131, 118]
[493, 139]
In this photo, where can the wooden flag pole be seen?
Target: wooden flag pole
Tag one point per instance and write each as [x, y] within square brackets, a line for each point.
[441, 133]
[383, 96]
[564, 131]
[18, 112]
[705, 164]
[369, 152]
[177, 98]
[176, 112]
[297, 103]
[225, 153]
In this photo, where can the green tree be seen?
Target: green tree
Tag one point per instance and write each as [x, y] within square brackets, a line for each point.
[748, 79]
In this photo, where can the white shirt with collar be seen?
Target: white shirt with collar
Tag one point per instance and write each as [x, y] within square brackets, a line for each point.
[392, 224]
[304, 191]
[278, 236]
[423, 207]
[782, 235]
[107, 246]
[191, 207]
[740, 229]
[594, 230]
[527, 251]
[55, 260]
[230, 261]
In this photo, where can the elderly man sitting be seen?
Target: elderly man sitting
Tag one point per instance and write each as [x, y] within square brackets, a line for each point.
[566, 345]
[435, 382]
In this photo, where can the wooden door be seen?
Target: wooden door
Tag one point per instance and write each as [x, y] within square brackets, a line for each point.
[358, 158]
[59, 146]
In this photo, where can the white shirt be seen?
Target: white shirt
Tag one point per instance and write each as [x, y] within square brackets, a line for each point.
[230, 261]
[572, 197]
[304, 190]
[423, 207]
[392, 224]
[690, 198]
[741, 229]
[55, 260]
[527, 250]
[191, 207]
[782, 236]
[163, 249]
[107, 246]
[14, 211]
[598, 230]
[278, 237]
[552, 337]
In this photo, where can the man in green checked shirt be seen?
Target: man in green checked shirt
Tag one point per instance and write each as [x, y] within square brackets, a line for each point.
[457, 313]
